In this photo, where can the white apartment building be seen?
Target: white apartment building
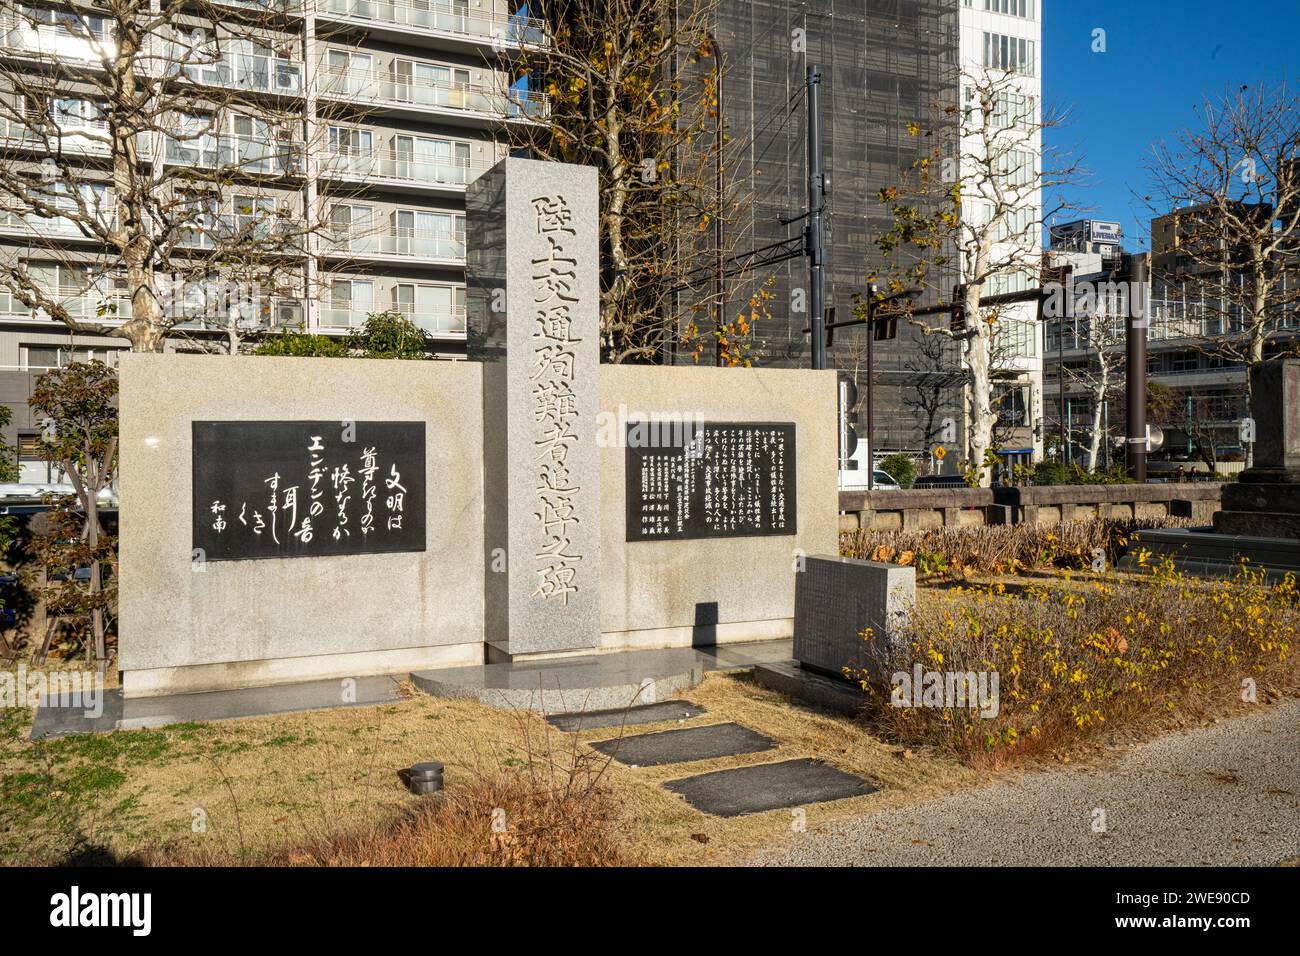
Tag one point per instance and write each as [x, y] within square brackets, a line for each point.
[402, 103]
[1005, 37]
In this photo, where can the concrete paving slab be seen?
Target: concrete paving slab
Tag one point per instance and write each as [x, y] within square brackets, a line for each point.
[768, 786]
[595, 682]
[258, 701]
[682, 746]
[59, 718]
[119, 714]
[626, 716]
[810, 687]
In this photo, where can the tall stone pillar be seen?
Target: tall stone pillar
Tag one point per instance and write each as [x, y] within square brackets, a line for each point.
[533, 320]
[1265, 501]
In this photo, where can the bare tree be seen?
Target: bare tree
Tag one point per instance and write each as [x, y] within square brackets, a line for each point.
[976, 205]
[1233, 186]
[633, 91]
[150, 148]
[1097, 324]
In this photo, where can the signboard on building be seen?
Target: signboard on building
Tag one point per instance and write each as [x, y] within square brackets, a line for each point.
[306, 489]
[1106, 233]
[718, 480]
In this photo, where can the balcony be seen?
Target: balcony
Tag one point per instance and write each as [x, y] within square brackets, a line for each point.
[67, 135]
[220, 232]
[450, 323]
[39, 227]
[397, 244]
[284, 8]
[451, 99]
[431, 17]
[57, 41]
[241, 153]
[91, 308]
[434, 173]
[263, 74]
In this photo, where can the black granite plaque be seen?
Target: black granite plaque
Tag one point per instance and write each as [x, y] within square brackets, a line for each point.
[307, 489]
[710, 480]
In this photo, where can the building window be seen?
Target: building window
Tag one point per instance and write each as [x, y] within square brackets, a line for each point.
[32, 468]
[1013, 54]
[1014, 167]
[1012, 8]
[38, 358]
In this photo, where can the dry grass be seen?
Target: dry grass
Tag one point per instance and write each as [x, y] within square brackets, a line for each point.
[1002, 549]
[323, 787]
[550, 813]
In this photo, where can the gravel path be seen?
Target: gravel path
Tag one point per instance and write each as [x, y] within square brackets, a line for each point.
[1228, 794]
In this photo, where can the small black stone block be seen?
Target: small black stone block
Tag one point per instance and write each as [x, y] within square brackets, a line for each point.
[626, 716]
[768, 786]
[681, 746]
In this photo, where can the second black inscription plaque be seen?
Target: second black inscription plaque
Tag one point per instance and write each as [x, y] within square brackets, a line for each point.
[710, 480]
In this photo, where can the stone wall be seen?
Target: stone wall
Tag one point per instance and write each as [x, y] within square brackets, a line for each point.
[925, 509]
[714, 590]
[195, 626]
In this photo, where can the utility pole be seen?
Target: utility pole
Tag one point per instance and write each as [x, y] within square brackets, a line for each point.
[871, 387]
[1135, 372]
[816, 206]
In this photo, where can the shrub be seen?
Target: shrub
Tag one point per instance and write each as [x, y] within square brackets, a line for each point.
[901, 468]
[301, 345]
[1072, 660]
[390, 335]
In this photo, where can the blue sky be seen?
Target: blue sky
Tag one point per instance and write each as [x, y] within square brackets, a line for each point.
[1162, 57]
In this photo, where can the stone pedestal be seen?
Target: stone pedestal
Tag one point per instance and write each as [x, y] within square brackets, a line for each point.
[1265, 500]
[533, 320]
[836, 599]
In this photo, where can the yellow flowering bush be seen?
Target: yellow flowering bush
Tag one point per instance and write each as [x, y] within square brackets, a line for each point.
[1090, 651]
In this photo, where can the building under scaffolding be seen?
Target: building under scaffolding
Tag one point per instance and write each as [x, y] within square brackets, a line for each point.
[884, 63]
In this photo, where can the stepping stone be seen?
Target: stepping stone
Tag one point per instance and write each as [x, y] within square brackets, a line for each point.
[768, 786]
[626, 716]
[681, 746]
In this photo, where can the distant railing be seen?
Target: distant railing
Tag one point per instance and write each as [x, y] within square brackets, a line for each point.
[396, 164]
[384, 88]
[449, 322]
[55, 41]
[212, 232]
[31, 224]
[248, 154]
[241, 71]
[75, 301]
[399, 242]
[441, 17]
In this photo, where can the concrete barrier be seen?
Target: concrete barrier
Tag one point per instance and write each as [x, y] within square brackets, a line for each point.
[924, 509]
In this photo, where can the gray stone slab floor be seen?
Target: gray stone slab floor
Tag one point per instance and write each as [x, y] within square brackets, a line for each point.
[217, 705]
[591, 682]
[682, 746]
[768, 786]
[626, 716]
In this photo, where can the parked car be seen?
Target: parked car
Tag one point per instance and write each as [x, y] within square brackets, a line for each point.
[883, 482]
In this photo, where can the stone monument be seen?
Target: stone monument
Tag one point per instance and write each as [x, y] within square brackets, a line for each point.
[532, 229]
[1265, 499]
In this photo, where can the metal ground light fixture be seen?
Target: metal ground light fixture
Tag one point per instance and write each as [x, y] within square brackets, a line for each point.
[424, 778]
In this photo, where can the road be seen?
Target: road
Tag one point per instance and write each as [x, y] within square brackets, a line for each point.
[1226, 794]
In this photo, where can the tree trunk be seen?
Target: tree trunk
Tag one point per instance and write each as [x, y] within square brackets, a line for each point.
[1098, 401]
[979, 363]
